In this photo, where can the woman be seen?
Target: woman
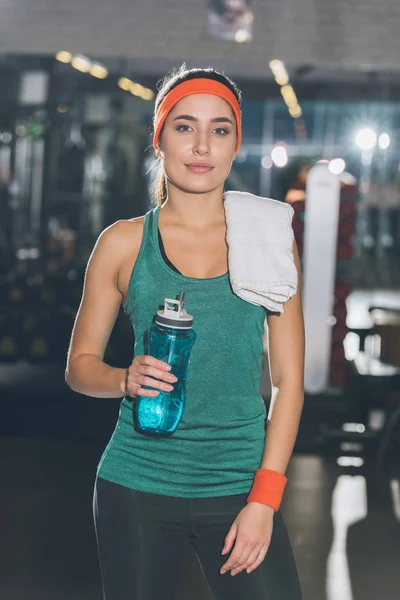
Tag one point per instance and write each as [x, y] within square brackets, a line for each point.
[154, 493]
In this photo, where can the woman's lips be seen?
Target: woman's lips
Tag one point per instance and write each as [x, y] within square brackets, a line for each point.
[196, 168]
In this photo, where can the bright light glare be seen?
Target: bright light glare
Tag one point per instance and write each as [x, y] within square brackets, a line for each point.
[147, 94]
[351, 447]
[279, 156]
[350, 461]
[366, 138]
[266, 162]
[279, 70]
[282, 78]
[276, 65]
[81, 63]
[125, 83]
[337, 166]
[98, 71]
[295, 111]
[349, 506]
[242, 36]
[64, 56]
[248, 17]
[353, 427]
[136, 89]
[384, 141]
[288, 94]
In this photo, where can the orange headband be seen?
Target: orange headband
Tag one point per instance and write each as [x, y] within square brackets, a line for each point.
[197, 86]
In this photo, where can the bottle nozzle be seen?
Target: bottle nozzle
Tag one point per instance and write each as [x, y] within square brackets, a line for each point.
[180, 297]
[174, 314]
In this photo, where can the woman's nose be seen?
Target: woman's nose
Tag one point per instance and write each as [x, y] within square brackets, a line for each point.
[202, 145]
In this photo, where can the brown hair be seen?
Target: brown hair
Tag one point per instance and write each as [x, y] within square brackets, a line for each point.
[168, 83]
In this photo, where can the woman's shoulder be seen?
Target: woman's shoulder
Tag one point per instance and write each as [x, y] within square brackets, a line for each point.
[126, 226]
[121, 239]
[123, 231]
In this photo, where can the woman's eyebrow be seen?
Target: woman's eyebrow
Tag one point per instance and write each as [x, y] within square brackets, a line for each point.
[216, 120]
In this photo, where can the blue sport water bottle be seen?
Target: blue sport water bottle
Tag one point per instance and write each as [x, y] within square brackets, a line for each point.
[170, 339]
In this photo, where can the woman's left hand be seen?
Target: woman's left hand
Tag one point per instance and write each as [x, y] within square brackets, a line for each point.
[252, 529]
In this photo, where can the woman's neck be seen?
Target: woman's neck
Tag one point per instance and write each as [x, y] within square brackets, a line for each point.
[194, 211]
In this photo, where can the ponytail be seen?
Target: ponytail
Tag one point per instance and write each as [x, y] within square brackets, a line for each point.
[160, 187]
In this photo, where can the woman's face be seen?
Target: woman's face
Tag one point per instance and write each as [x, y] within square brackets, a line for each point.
[200, 129]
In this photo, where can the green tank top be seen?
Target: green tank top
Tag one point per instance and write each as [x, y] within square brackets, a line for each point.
[219, 443]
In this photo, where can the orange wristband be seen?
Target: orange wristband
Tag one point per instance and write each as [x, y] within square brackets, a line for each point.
[268, 488]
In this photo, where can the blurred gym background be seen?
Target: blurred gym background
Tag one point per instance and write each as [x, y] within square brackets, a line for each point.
[321, 86]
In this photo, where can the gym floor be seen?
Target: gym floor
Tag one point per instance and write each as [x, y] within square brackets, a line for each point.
[344, 522]
[344, 526]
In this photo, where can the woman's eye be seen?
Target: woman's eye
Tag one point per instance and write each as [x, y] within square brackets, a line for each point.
[221, 131]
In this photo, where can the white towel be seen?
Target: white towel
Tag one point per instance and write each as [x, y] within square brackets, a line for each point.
[260, 237]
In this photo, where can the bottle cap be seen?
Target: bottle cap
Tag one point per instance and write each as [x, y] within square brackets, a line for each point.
[173, 314]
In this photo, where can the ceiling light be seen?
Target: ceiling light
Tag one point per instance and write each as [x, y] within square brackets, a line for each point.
[248, 17]
[98, 71]
[279, 70]
[366, 138]
[125, 83]
[384, 141]
[279, 156]
[136, 89]
[295, 111]
[337, 166]
[64, 56]
[81, 63]
[288, 94]
[282, 78]
[276, 64]
[242, 36]
[147, 94]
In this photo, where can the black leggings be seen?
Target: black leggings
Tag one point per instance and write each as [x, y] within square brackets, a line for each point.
[140, 537]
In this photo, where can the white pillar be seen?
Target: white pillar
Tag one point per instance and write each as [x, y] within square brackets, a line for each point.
[319, 270]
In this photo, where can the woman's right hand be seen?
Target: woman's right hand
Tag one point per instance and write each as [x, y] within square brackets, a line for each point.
[142, 371]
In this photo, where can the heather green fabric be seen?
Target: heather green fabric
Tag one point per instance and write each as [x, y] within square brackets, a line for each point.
[219, 442]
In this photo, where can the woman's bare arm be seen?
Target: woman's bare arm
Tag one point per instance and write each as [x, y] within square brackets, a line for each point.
[86, 372]
[286, 347]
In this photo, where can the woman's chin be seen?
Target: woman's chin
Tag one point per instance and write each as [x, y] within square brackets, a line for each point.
[197, 187]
